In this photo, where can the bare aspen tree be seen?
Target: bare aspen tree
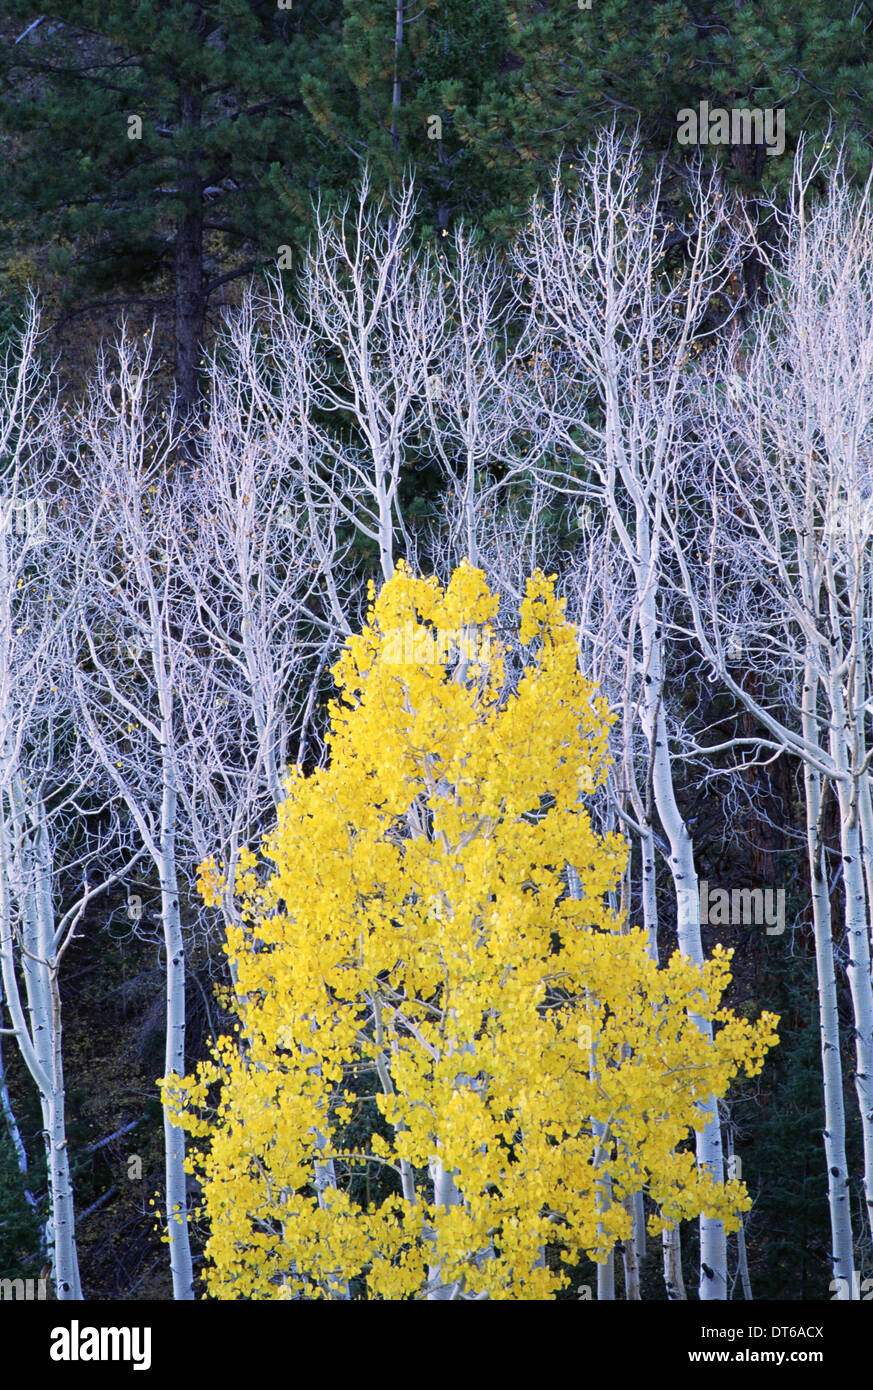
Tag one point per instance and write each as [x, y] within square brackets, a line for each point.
[126, 678]
[278, 499]
[483, 417]
[604, 602]
[377, 315]
[615, 334]
[778, 580]
[53, 826]
[263, 583]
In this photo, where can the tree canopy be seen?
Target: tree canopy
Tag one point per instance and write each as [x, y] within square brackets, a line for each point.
[434, 913]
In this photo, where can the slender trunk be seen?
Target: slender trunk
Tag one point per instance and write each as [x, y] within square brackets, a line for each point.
[65, 1259]
[605, 1272]
[606, 1279]
[386, 529]
[842, 1245]
[174, 1055]
[12, 1125]
[845, 748]
[25, 873]
[66, 1254]
[865, 807]
[708, 1145]
[743, 1263]
[395, 91]
[672, 1248]
[639, 1217]
[671, 1240]
[742, 1260]
[445, 1195]
[407, 1173]
[858, 971]
[630, 1254]
[325, 1183]
[649, 894]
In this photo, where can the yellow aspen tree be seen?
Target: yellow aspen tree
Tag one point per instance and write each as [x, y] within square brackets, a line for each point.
[410, 918]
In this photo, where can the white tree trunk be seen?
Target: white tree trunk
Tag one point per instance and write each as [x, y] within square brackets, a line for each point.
[708, 1143]
[842, 1245]
[13, 1128]
[181, 1266]
[445, 1195]
[858, 970]
[631, 1253]
[672, 1247]
[23, 863]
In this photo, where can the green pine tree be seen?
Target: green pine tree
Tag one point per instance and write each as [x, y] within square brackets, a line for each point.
[145, 140]
[418, 88]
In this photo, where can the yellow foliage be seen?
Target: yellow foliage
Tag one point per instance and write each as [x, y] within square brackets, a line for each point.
[416, 929]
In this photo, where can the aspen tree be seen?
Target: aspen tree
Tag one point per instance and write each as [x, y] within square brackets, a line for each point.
[776, 571]
[55, 829]
[416, 923]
